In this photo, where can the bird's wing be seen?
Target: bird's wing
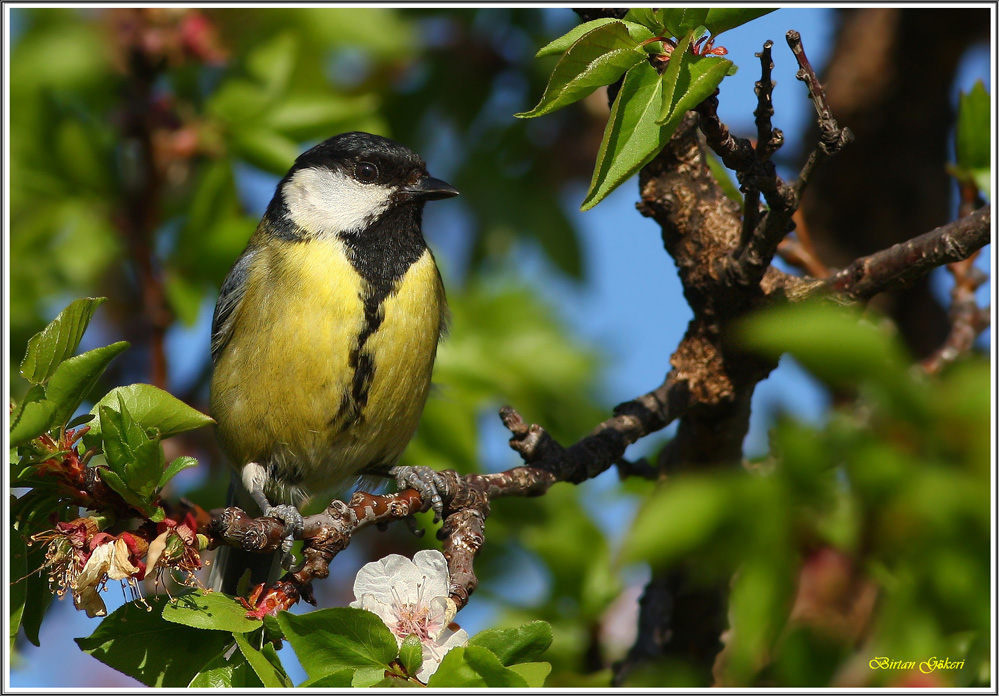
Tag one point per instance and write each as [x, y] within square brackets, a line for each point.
[231, 294]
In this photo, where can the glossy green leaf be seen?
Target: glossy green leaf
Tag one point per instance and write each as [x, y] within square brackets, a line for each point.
[682, 20]
[33, 416]
[647, 17]
[265, 668]
[534, 673]
[472, 667]
[562, 44]
[59, 340]
[330, 640]
[411, 654]
[338, 679]
[74, 378]
[175, 467]
[168, 654]
[209, 611]
[597, 58]
[719, 19]
[135, 458]
[631, 137]
[152, 408]
[514, 645]
[673, 82]
[229, 672]
[695, 78]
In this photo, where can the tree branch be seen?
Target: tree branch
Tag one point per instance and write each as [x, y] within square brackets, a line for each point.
[903, 263]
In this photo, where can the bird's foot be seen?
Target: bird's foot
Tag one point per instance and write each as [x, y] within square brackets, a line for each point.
[426, 481]
[294, 524]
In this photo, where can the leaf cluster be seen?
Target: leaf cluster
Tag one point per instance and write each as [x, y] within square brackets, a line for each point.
[888, 499]
[662, 77]
[204, 640]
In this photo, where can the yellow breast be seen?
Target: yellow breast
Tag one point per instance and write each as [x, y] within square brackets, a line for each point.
[287, 391]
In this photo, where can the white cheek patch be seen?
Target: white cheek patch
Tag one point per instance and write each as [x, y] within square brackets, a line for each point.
[327, 202]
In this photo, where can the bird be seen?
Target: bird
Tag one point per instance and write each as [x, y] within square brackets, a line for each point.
[324, 337]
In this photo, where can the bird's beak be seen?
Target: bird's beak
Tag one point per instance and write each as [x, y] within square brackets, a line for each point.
[430, 189]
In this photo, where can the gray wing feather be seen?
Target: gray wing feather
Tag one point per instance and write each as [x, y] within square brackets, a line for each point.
[231, 294]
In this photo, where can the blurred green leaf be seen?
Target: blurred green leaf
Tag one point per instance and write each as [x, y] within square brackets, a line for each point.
[974, 137]
[597, 58]
[59, 340]
[168, 654]
[272, 62]
[265, 148]
[832, 342]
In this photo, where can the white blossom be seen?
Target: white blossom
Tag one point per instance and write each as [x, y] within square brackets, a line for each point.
[411, 597]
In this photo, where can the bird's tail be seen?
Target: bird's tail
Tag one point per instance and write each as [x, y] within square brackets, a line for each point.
[231, 563]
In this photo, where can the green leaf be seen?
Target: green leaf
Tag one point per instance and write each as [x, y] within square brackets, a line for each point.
[631, 137]
[131, 454]
[210, 611]
[638, 32]
[973, 134]
[682, 20]
[315, 115]
[721, 175]
[647, 17]
[411, 654]
[138, 642]
[273, 61]
[265, 669]
[266, 149]
[152, 408]
[59, 340]
[32, 417]
[367, 676]
[341, 678]
[74, 378]
[514, 645]
[719, 19]
[175, 467]
[534, 673]
[18, 595]
[676, 520]
[118, 485]
[695, 78]
[226, 673]
[597, 58]
[472, 667]
[832, 342]
[330, 640]
[672, 87]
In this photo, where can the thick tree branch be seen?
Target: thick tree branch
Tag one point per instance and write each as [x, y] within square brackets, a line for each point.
[466, 500]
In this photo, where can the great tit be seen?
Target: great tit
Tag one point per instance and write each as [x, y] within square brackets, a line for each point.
[325, 333]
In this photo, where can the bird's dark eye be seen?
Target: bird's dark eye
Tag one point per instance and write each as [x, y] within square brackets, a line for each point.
[365, 172]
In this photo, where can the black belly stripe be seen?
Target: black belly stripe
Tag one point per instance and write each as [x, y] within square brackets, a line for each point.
[381, 255]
